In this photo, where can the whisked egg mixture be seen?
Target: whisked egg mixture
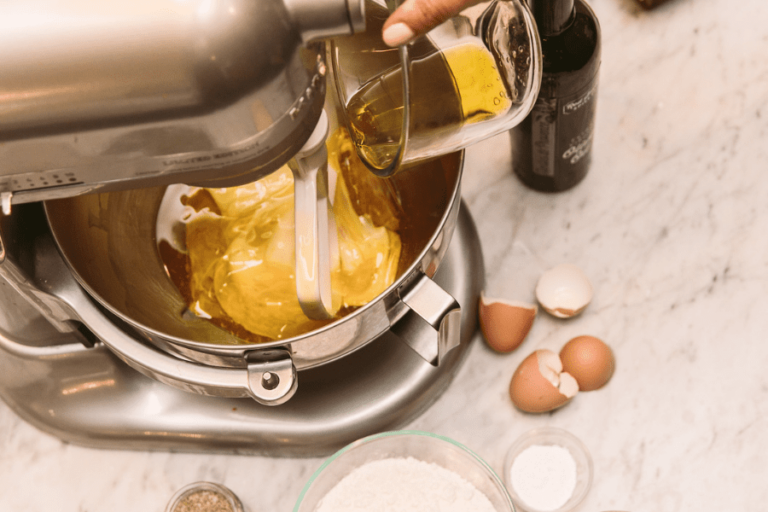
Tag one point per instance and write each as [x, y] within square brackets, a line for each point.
[239, 268]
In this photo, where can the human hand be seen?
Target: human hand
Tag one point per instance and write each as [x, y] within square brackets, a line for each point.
[416, 17]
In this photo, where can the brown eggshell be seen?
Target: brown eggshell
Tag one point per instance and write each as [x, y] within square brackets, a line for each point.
[540, 385]
[505, 324]
[589, 360]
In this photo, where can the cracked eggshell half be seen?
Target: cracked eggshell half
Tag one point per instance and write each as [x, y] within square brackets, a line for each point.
[564, 291]
[505, 324]
[540, 385]
[589, 360]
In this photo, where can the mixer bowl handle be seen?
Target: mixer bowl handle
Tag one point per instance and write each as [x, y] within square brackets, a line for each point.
[257, 381]
[432, 326]
[253, 381]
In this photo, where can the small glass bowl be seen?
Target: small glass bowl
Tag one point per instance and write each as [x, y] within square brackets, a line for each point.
[190, 489]
[549, 436]
[422, 446]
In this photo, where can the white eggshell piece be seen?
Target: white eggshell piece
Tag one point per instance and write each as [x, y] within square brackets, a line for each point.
[550, 366]
[568, 385]
[564, 291]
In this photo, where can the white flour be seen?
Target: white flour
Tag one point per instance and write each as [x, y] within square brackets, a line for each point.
[404, 485]
[544, 476]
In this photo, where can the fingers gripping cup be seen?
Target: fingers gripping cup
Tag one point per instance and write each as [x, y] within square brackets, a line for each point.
[468, 79]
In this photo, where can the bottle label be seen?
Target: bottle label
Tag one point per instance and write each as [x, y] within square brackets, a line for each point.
[543, 136]
[561, 131]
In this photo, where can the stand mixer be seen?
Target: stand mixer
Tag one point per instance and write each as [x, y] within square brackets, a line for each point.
[147, 94]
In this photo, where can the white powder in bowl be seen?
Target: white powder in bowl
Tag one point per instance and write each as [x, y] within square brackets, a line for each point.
[404, 485]
[544, 476]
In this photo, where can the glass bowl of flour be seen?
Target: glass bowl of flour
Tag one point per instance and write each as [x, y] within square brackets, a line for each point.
[548, 469]
[404, 471]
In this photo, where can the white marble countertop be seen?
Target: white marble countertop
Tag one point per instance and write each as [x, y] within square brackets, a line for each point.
[670, 225]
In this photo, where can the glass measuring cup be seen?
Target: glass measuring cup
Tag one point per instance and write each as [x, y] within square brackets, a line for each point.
[472, 77]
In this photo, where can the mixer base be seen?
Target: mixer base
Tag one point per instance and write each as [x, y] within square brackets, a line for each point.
[91, 398]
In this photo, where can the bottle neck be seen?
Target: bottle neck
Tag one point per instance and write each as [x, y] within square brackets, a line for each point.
[552, 16]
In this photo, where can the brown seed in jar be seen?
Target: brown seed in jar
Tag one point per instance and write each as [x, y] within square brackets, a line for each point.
[204, 501]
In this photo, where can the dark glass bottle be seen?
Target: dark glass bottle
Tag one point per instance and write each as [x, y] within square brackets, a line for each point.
[551, 148]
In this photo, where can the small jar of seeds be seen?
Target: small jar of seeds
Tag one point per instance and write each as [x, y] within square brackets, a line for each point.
[204, 497]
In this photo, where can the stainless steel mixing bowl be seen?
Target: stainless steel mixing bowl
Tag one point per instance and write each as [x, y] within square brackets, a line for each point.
[108, 242]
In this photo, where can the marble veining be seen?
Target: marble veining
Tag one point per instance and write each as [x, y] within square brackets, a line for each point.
[670, 225]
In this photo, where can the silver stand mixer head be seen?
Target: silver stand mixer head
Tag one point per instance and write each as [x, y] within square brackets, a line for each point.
[125, 94]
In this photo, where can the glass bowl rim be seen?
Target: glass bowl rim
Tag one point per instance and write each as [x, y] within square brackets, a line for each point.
[403, 433]
[556, 432]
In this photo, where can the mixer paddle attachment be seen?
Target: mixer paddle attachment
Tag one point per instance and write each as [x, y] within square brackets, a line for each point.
[314, 226]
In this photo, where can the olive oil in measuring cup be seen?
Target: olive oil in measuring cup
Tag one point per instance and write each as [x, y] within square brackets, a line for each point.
[450, 89]
[472, 77]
